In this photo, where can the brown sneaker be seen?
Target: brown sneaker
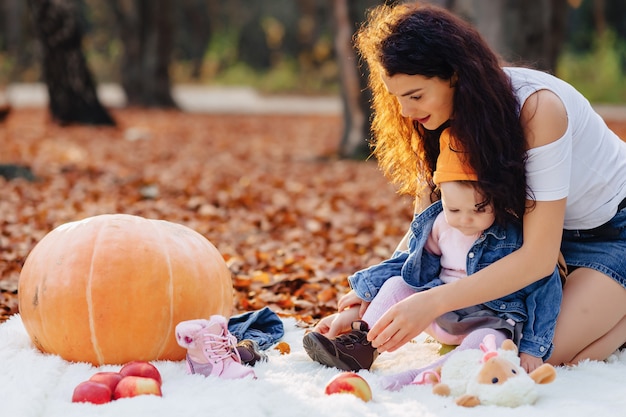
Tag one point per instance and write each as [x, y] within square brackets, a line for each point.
[350, 351]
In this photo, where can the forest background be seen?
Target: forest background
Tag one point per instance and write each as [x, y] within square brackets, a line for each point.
[287, 46]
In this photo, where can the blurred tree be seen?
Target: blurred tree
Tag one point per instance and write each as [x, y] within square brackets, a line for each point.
[71, 90]
[273, 31]
[146, 31]
[268, 32]
[18, 41]
[13, 12]
[588, 19]
[194, 14]
[354, 93]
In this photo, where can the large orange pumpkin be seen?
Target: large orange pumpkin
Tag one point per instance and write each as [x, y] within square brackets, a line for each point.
[112, 288]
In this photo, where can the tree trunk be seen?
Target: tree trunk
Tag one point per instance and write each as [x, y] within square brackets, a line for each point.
[196, 14]
[13, 10]
[355, 95]
[71, 90]
[599, 16]
[146, 33]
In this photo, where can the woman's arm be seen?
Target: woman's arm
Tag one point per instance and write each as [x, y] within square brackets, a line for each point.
[544, 120]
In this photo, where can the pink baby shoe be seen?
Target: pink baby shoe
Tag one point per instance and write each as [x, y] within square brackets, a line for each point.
[211, 348]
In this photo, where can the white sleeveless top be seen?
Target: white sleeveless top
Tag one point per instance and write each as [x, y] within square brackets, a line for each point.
[587, 165]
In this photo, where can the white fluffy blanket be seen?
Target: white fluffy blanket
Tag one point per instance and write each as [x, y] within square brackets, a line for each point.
[33, 384]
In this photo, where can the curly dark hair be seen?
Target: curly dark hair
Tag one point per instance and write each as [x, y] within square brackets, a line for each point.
[426, 40]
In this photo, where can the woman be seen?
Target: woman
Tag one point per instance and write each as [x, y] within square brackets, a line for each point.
[551, 160]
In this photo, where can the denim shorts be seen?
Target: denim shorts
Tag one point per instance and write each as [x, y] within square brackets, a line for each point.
[602, 248]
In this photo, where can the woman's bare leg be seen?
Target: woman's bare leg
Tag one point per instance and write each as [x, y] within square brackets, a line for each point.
[592, 321]
[606, 345]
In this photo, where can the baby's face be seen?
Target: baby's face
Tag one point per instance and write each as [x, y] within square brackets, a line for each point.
[463, 209]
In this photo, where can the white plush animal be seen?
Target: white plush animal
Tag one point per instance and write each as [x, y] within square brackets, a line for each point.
[491, 376]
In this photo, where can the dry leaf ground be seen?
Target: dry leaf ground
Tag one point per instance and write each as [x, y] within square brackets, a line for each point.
[291, 220]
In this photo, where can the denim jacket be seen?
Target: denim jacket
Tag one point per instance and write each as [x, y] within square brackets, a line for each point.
[536, 306]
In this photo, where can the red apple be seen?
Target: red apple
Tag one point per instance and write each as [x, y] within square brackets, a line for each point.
[91, 392]
[132, 386]
[349, 383]
[141, 368]
[107, 378]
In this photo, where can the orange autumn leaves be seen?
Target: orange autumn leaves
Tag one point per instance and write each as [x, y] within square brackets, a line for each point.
[291, 220]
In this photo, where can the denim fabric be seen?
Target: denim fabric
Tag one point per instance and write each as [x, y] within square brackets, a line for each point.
[536, 306]
[263, 326]
[604, 253]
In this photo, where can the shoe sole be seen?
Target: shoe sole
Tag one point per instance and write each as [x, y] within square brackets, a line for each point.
[318, 353]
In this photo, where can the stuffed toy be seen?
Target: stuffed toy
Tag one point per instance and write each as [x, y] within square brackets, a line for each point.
[491, 376]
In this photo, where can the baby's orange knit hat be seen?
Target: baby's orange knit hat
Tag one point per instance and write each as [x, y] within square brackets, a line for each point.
[451, 163]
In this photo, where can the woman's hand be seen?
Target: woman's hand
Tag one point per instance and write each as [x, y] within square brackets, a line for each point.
[402, 322]
[529, 362]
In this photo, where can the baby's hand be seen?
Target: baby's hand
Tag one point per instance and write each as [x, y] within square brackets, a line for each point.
[348, 300]
[529, 362]
[323, 326]
[338, 323]
[351, 300]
